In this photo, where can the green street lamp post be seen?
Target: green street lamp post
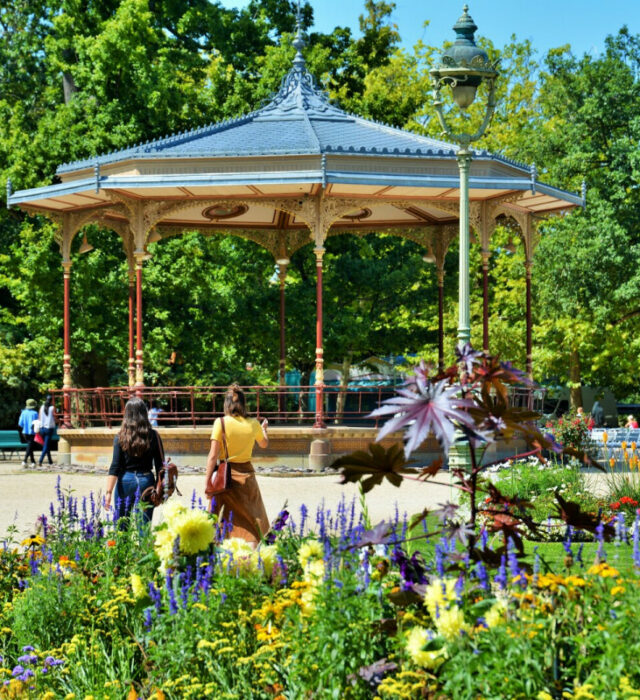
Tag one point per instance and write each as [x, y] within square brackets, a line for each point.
[463, 66]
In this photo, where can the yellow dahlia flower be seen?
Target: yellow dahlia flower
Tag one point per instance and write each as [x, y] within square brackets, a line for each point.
[450, 622]
[164, 543]
[416, 641]
[195, 529]
[496, 614]
[314, 571]
[264, 558]
[237, 554]
[312, 549]
[439, 594]
[172, 510]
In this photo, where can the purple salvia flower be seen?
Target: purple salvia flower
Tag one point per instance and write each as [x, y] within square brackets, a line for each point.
[501, 577]
[601, 554]
[579, 555]
[567, 541]
[193, 499]
[173, 605]
[17, 670]
[440, 557]
[33, 565]
[282, 570]
[636, 540]
[148, 618]
[459, 589]
[303, 518]
[155, 596]
[514, 565]
[352, 514]
[482, 576]
[366, 567]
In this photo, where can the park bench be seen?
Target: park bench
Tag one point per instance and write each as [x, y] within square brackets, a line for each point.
[10, 442]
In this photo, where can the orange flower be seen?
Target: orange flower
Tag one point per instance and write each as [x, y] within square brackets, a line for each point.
[612, 462]
[111, 543]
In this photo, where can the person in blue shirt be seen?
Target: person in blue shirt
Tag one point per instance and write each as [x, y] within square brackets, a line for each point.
[25, 423]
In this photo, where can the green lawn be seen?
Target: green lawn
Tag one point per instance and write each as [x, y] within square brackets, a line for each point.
[552, 554]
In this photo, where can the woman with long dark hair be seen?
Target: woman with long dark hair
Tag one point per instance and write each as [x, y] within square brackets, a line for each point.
[48, 422]
[137, 448]
[242, 503]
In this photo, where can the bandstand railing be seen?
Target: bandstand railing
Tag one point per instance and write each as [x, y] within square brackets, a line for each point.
[198, 406]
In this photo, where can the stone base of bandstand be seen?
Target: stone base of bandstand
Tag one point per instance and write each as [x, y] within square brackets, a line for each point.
[294, 447]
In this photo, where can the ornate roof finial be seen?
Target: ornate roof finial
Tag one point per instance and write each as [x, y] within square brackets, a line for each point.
[299, 42]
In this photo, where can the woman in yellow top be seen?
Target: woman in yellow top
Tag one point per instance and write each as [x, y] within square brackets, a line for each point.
[243, 501]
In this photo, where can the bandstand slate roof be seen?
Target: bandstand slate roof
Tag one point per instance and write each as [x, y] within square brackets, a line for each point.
[300, 120]
[297, 143]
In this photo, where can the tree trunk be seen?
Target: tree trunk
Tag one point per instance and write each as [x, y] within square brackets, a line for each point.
[575, 387]
[344, 382]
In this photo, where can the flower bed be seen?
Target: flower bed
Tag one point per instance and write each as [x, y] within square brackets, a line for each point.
[90, 610]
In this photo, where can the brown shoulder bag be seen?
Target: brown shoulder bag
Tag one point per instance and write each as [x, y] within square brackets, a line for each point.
[221, 477]
[157, 495]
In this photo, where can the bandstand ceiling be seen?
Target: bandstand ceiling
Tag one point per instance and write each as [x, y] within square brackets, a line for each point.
[297, 147]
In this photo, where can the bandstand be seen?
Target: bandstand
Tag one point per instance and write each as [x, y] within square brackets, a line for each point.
[297, 170]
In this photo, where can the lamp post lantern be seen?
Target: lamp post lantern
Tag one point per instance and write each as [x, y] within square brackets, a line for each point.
[463, 67]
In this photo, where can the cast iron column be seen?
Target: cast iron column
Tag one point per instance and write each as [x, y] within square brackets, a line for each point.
[139, 354]
[282, 276]
[319, 421]
[66, 358]
[440, 272]
[485, 300]
[132, 312]
[529, 323]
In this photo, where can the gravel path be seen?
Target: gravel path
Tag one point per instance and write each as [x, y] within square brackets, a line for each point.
[26, 493]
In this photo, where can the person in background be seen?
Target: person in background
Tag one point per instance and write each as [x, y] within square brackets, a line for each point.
[48, 422]
[25, 423]
[137, 448]
[154, 412]
[631, 422]
[597, 413]
[243, 501]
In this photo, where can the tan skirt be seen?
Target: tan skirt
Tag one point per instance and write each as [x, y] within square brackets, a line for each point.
[243, 504]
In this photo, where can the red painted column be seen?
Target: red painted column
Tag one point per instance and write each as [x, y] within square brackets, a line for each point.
[282, 275]
[319, 421]
[485, 300]
[529, 322]
[440, 319]
[139, 355]
[132, 315]
[66, 358]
